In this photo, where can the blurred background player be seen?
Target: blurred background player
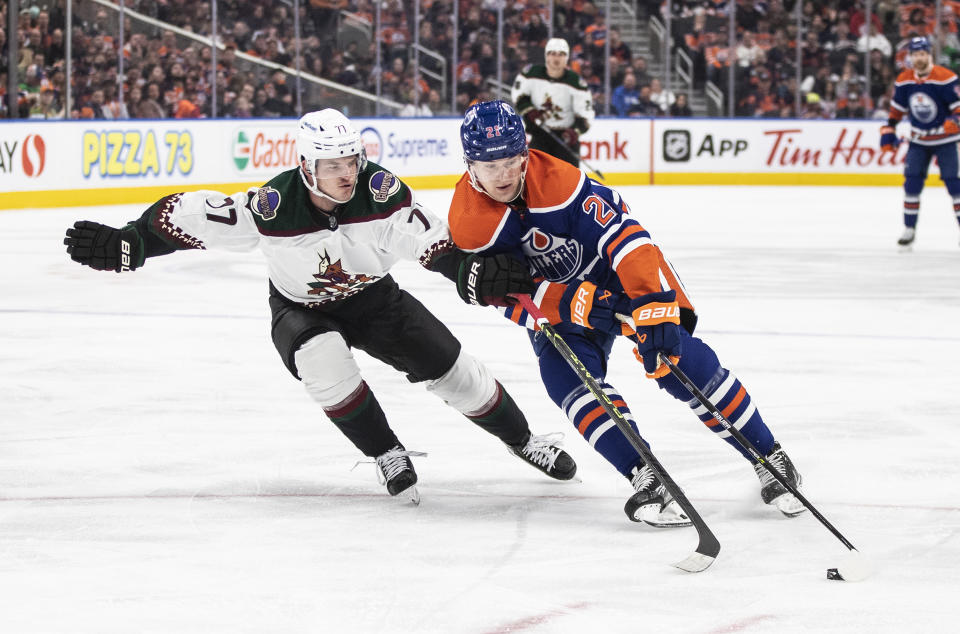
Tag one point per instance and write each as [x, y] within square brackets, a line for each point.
[331, 229]
[555, 103]
[930, 96]
[578, 236]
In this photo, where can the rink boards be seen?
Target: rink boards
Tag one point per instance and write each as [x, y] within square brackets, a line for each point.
[69, 163]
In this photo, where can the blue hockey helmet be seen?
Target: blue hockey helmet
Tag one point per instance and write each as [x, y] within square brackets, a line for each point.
[492, 130]
[919, 44]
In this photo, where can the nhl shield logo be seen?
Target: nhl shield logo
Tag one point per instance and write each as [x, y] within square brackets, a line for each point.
[555, 258]
[266, 203]
[383, 185]
[676, 145]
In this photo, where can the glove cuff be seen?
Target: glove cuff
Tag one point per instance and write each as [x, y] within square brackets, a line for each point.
[656, 308]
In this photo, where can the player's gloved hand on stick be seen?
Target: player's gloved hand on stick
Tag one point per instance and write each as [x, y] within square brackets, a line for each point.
[104, 248]
[581, 303]
[951, 125]
[888, 139]
[534, 116]
[490, 280]
[570, 136]
[656, 319]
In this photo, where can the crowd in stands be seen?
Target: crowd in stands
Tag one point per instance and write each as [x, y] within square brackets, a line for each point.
[166, 75]
[847, 66]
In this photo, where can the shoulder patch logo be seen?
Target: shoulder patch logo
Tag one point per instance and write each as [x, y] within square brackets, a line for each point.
[266, 203]
[383, 185]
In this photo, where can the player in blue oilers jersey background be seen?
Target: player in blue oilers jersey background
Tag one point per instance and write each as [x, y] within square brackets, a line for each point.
[331, 229]
[592, 259]
[929, 96]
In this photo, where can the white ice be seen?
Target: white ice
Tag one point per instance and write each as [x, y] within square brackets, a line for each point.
[161, 472]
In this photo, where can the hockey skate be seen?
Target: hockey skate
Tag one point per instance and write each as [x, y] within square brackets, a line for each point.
[772, 491]
[652, 503]
[544, 453]
[906, 238]
[395, 469]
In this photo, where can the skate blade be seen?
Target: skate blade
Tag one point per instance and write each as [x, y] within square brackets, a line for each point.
[671, 516]
[412, 494]
[789, 505]
[905, 248]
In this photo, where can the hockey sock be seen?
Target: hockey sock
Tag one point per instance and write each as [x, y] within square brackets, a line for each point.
[700, 363]
[734, 402]
[362, 421]
[598, 429]
[502, 418]
[911, 208]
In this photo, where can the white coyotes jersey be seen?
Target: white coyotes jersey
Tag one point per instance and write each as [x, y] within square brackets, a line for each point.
[309, 262]
[562, 100]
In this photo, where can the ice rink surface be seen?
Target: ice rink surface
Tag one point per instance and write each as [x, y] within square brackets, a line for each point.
[161, 472]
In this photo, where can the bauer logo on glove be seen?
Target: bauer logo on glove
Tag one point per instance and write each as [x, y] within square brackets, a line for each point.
[656, 319]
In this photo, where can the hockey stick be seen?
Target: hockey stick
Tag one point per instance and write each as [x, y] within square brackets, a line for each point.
[853, 570]
[569, 150]
[708, 548]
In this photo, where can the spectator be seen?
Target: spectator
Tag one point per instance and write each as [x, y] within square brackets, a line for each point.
[812, 108]
[663, 98]
[626, 95]
[47, 106]
[618, 49]
[875, 41]
[112, 107]
[644, 106]
[149, 107]
[749, 52]
[680, 108]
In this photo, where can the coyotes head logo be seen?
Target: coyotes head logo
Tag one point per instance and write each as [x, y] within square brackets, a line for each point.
[335, 283]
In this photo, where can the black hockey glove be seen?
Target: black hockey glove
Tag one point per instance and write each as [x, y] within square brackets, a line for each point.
[489, 280]
[104, 248]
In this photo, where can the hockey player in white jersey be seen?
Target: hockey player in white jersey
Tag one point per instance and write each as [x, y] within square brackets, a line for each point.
[331, 229]
[555, 103]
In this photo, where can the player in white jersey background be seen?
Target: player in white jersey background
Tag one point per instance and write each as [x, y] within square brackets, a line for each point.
[555, 104]
[331, 229]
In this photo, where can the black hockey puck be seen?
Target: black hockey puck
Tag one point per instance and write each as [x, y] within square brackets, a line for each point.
[834, 575]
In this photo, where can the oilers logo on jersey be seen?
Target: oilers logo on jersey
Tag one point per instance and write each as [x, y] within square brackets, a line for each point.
[554, 258]
[923, 107]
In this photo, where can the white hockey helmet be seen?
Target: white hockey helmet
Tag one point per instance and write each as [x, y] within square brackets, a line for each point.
[327, 134]
[557, 45]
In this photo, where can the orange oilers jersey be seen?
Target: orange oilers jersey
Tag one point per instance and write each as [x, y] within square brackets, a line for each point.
[568, 228]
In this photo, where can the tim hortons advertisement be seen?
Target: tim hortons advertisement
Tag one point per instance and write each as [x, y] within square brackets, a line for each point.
[773, 147]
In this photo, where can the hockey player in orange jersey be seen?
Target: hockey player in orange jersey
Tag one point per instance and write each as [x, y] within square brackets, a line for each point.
[591, 257]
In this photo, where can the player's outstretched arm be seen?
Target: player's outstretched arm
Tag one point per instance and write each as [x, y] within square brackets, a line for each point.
[105, 248]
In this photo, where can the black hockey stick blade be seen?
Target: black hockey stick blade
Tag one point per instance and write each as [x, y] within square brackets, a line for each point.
[709, 547]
